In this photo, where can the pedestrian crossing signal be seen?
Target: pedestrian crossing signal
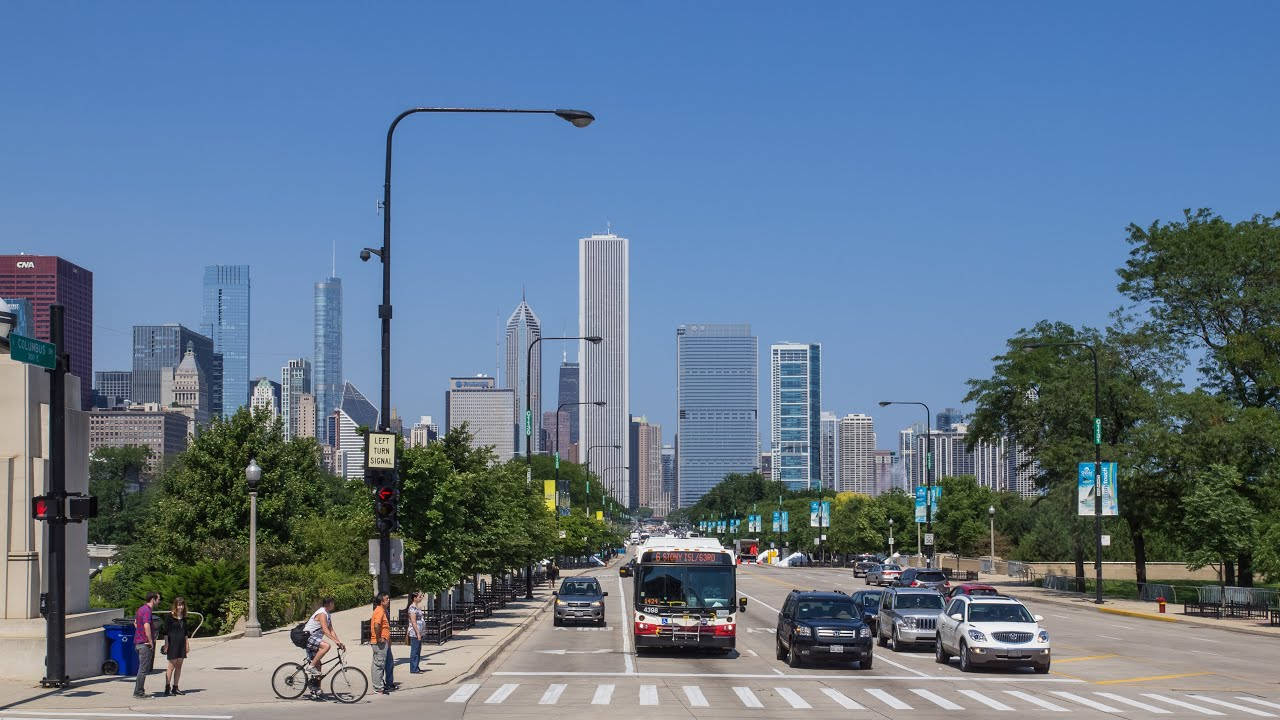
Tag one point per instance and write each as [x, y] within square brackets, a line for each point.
[40, 506]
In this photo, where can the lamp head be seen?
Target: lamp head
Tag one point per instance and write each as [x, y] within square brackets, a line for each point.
[594, 339]
[253, 475]
[579, 118]
[600, 403]
[991, 510]
[885, 403]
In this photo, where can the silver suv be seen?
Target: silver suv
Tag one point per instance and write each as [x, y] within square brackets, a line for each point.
[907, 616]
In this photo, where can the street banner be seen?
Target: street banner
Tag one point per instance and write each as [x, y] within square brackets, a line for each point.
[785, 521]
[723, 526]
[921, 490]
[825, 520]
[1086, 487]
[813, 513]
[600, 515]
[777, 521]
[549, 493]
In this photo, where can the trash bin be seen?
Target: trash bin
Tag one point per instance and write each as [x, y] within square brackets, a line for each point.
[121, 657]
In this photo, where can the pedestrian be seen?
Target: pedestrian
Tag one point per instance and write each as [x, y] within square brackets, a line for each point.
[416, 627]
[175, 645]
[144, 641]
[380, 640]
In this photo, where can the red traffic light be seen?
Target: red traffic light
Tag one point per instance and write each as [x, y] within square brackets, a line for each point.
[386, 494]
[40, 507]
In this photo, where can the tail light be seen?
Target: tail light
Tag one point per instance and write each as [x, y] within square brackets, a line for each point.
[725, 630]
[915, 583]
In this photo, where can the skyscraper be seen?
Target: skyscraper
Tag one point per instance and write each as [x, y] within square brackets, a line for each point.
[646, 465]
[46, 280]
[306, 415]
[949, 418]
[568, 396]
[717, 405]
[424, 432]
[831, 453]
[670, 485]
[266, 395]
[226, 322]
[112, 388]
[358, 408]
[295, 381]
[160, 347]
[857, 455]
[886, 462]
[795, 421]
[485, 409]
[603, 310]
[326, 369]
[549, 424]
[523, 328]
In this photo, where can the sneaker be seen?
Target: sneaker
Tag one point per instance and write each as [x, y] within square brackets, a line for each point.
[310, 670]
[140, 695]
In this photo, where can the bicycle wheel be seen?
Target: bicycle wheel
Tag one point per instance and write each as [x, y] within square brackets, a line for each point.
[348, 684]
[289, 681]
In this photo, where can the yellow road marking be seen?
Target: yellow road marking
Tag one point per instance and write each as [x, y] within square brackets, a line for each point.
[1058, 661]
[1150, 677]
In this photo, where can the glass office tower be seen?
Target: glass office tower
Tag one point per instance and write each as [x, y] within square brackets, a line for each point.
[226, 322]
[326, 368]
[717, 402]
[795, 423]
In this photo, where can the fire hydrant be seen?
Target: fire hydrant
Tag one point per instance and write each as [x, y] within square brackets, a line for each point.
[1160, 602]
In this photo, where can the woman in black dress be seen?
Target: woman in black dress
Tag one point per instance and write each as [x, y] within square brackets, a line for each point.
[175, 644]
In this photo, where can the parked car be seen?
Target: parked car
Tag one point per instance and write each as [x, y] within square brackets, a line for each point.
[883, 574]
[627, 569]
[579, 599]
[861, 567]
[868, 604]
[991, 631]
[925, 578]
[795, 559]
[908, 616]
[816, 625]
[971, 589]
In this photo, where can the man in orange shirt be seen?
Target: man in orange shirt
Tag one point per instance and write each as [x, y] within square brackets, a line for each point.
[380, 640]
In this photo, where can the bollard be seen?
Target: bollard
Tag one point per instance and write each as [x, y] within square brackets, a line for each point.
[1160, 601]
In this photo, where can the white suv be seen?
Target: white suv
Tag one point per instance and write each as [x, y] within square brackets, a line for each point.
[991, 630]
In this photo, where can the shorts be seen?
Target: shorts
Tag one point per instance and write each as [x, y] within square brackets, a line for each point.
[313, 642]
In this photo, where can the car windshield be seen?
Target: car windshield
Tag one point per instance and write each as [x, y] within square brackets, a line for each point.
[998, 612]
[838, 609]
[930, 576]
[685, 586]
[918, 601]
[579, 587]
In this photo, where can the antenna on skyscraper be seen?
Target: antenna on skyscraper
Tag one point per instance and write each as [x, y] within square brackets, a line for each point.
[497, 349]
[333, 268]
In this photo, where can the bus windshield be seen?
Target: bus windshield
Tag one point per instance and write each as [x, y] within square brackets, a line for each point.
[685, 586]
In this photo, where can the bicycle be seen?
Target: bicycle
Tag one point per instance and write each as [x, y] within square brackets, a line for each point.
[348, 684]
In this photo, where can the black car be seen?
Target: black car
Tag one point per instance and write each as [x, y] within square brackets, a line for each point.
[861, 567]
[867, 602]
[627, 569]
[818, 625]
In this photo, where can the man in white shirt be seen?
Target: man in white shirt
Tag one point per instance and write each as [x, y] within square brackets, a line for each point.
[318, 628]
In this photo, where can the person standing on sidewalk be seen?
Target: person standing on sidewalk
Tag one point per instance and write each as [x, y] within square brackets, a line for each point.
[380, 640]
[415, 632]
[144, 641]
[175, 645]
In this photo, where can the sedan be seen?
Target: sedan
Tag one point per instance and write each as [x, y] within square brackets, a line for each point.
[861, 567]
[883, 574]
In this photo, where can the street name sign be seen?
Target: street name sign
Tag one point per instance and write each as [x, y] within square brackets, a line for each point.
[31, 351]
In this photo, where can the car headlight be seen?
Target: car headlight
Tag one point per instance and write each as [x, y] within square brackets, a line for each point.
[976, 635]
[596, 603]
[804, 630]
[1044, 636]
[911, 623]
[864, 632]
[561, 603]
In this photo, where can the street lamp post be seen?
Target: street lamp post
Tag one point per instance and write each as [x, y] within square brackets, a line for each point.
[578, 118]
[561, 406]
[928, 475]
[252, 476]
[1097, 458]
[593, 447]
[991, 512]
[890, 537]
[603, 502]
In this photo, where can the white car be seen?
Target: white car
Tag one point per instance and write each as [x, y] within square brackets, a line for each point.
[991, 630]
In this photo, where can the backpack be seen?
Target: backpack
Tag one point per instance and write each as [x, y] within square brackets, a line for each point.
[298, 635]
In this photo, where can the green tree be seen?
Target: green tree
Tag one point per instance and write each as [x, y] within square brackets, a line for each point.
[118, 477]
[1220, 522]
[961, 524]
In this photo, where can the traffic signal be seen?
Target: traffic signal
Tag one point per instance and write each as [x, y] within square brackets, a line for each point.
[82, 507]
[41, 508]
[386, 504]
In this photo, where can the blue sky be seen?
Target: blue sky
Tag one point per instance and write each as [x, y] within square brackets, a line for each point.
[908, 185]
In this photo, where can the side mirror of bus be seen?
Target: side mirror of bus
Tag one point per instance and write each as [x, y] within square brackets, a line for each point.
[742, 604]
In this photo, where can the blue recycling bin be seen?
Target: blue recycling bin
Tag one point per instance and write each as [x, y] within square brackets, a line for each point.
[121, 657]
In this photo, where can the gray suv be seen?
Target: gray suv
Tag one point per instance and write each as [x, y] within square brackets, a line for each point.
[931, 579]
[579, 599]
[908, 616]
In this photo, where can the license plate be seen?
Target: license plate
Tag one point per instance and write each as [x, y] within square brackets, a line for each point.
[686, 619]
[1016, 654]
[837, 648]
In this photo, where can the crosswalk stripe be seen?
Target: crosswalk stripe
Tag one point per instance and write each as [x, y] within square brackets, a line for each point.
[501, 694]
[1233, 706]
[993, 704]
[553, 693]
[842, 699]
[463, 693]
[1134, 703]
[604, 693]
[648, 694]
[1256, 701]
[1181, 704]
[696, 698]
[747, 697]
[1036, 701]
[936, 699]
[888, 699]
[1086, 701]
[790, 696]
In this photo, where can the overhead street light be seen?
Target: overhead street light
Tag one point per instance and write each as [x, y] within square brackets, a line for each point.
[928, 474]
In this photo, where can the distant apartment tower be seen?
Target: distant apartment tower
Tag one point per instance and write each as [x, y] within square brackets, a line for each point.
[831, 454]
[486, 410]
[766, 465]
[162, 431]
[226, 322]
[603, 310]
[44, 280]
[112, 388]
[326, 369]
[857, 454]
[550, 424]
[295, 381]
[717, 405]
[670, 484]
[1023, 469]
[885, 463]
[306, 415]
[567, 395]
[523, 330]
[424, 432]
[795, 421]
[646, 466]
[266, 395]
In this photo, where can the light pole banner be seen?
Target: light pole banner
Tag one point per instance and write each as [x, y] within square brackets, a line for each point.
[825, 520]
[777, 521]
[814, 509]
[921, 491]
[549, 493]
[785, 521]
[1086, 486]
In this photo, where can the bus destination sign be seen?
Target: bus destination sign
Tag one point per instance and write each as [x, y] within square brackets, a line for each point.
[686, 557]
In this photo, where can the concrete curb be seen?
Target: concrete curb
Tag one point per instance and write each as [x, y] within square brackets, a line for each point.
[1137, 614]
[1051, 600]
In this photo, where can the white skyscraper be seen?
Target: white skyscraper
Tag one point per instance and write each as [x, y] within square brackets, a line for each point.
[857, 454]
[830, 449]
[604, 310]
[523, 328]
[486, 411]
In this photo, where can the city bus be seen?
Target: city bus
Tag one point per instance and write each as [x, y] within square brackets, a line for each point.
[686, 594]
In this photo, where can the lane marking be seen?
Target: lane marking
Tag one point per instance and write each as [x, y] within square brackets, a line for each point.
[749, 676]
[648, 694]
[751, 597]
[1151, 677]
[1233, 706]
[1059, 661]
[553, 693]
[1036, 701]
[753, 652]
[790, 696]
[1086, 701]
[1256, 701]
[1208, 640]
[747, 697]
[1134, 703]
[777, 671]
[1181, 704]
[463, 693]
[989, 702]
[843, 700]
[1206, 652]
[900, 666]
[604, 694]
[627, 658]
[936, 699]
[501, 694]
[1109, 637]
[887, 699]
[60, 713]
[1060, 617]
[695, 696]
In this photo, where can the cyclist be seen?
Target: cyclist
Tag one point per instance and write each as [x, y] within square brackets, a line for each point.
[318, 628]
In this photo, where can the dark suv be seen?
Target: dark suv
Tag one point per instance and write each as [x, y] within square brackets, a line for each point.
[923, 578]
[817, 625]
[579, 599]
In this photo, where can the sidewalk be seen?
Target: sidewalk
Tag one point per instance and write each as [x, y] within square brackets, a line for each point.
[230, 671]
